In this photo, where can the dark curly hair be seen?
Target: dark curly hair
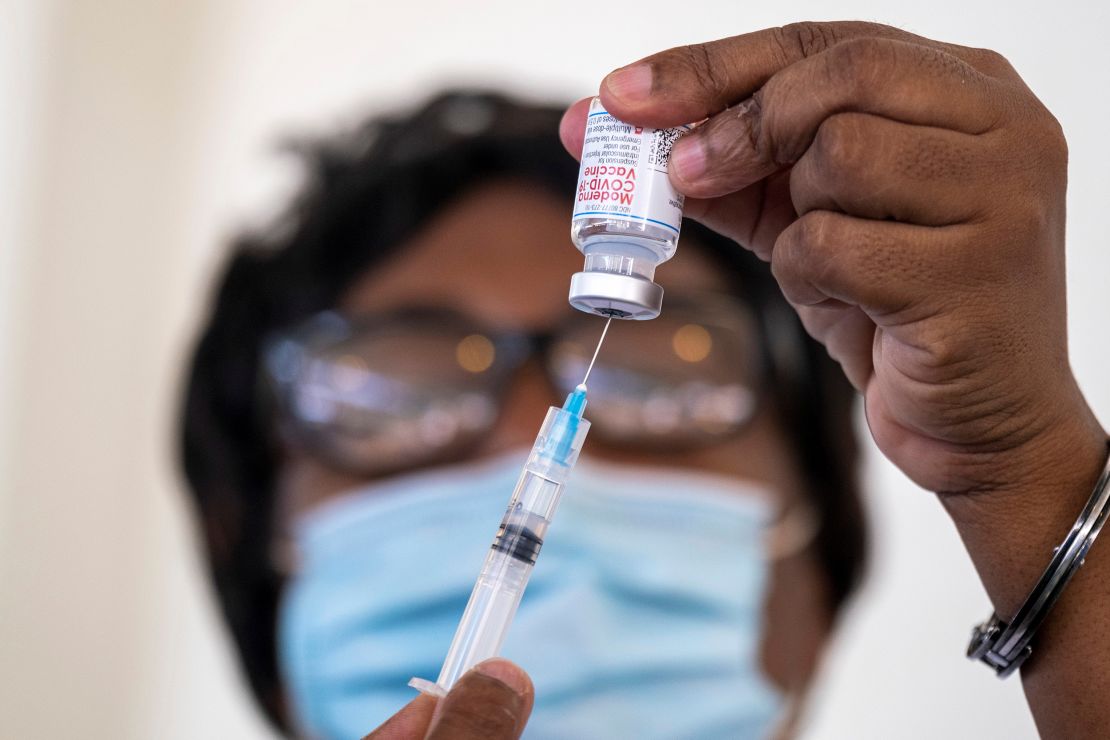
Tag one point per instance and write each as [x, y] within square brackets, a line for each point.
[366, 193]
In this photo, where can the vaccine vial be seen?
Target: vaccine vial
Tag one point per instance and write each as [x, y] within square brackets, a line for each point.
[627, 216]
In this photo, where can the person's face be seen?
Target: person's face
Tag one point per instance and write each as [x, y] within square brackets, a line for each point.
[502, 254]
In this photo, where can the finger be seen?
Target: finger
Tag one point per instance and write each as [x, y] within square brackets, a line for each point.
[888, 78]
[847, 333]
[889, 269]
[753, 217]
[876, 168]
[689, 83]
[491, 702]
[572, 127]
[408, 724]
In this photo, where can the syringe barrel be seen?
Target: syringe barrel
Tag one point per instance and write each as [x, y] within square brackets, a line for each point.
[504, 575]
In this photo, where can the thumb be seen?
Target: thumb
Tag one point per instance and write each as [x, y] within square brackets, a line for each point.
[491, 702]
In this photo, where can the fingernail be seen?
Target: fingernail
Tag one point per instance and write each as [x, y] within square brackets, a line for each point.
[688, 159]
[632, 83]
[506, 673]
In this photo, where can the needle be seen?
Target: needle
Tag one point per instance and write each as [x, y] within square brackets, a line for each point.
[596, 351]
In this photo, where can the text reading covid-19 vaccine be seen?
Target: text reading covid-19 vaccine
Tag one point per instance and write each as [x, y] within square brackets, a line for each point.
[627, 216]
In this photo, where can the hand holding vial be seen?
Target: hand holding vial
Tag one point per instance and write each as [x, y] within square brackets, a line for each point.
[910, 197]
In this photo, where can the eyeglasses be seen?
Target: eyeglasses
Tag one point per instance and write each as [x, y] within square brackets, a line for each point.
[380, 393]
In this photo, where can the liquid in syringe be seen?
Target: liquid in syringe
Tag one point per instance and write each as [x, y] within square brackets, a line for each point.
[500, 585]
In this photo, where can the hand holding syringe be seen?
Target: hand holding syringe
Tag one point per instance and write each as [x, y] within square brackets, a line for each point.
[500, 585]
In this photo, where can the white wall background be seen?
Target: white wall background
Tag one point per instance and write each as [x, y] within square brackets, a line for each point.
[136, 134]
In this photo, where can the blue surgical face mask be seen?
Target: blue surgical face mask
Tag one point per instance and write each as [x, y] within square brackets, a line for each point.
[642, 617]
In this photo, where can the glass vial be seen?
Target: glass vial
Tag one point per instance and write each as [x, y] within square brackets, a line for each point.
[627, 216]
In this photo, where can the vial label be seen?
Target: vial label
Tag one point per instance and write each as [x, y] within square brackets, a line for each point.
[624, 172]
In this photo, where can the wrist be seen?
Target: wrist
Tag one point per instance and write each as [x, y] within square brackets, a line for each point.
[1005, 645]
[1010, 529]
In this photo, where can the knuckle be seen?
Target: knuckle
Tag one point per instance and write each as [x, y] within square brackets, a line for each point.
[816, 231]
[990, 62]
[993, 58]
[1038, 166]
[1053, 142]
[801, 259]
[709, 77]
[801, 244]
[860, 63]
[1028, 214]
[840, 148]
[804, 39]
[1033, 137]
[861, 56]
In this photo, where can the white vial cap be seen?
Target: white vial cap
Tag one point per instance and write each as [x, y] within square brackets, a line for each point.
[617, 281]
[614, 294]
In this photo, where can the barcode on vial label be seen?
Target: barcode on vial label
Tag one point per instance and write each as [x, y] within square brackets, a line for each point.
[661, 142]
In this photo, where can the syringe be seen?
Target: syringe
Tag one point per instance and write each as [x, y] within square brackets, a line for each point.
[504, 575]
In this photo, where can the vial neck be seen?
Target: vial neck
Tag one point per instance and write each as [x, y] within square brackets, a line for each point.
[621, 258]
